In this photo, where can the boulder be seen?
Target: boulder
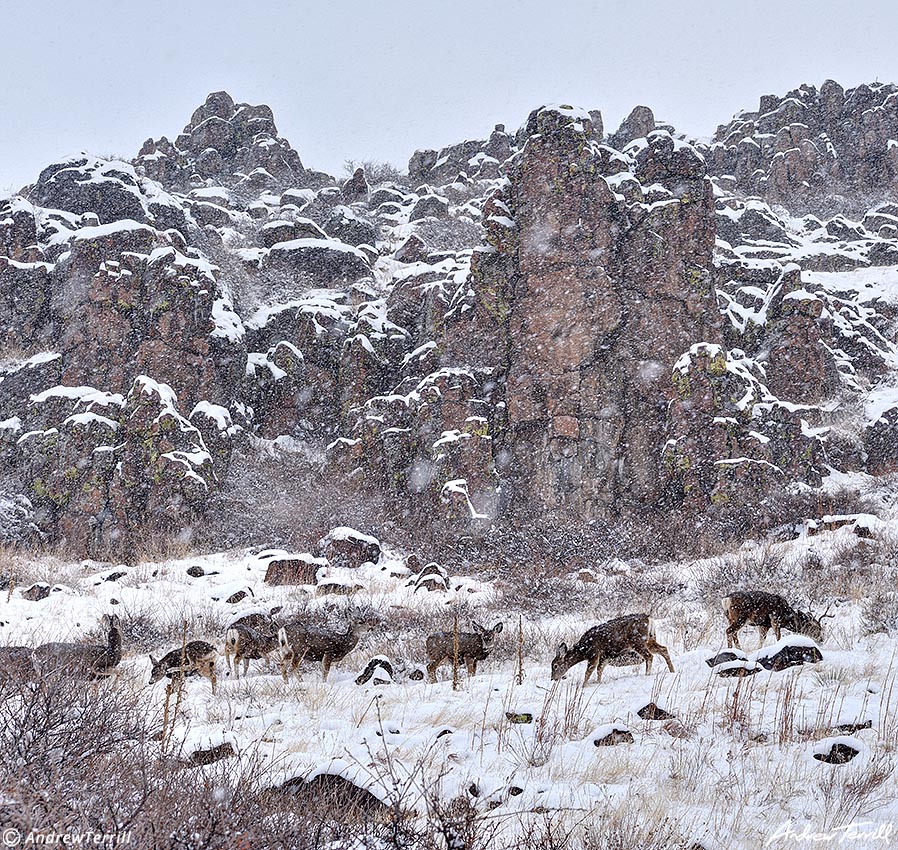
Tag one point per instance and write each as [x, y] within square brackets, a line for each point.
[726, 657]
[412, 250]
[430, 206]
[322, 262]
[333, 790]
[210, 755]
[651, 711]
[792, 651]
[637, 125]
[610, 735]
[299, 569]
[346, 547]
[107, 188]
[378, 671]
[840, 750]
[36, 592]
[738, 669]
[345, 226]
[356, 187]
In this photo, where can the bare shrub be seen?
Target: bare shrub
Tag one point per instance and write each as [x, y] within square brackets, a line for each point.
[630, 827]
[879, 613]
[376, 171]
[758, 568]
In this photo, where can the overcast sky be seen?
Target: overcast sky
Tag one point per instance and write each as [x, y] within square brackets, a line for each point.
[376, 80]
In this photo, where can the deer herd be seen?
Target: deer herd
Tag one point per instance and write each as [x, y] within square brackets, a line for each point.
[621, 641]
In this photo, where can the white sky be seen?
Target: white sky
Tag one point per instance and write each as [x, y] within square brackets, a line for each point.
[376, 80]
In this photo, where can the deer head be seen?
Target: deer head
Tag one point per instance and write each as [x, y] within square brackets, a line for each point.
[487, 636]
[560, 665]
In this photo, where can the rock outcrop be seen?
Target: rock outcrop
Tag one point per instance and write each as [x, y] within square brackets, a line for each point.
[814, 150]
[553, 325]
[232, 144]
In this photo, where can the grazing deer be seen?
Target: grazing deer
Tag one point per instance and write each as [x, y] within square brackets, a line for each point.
[250, 638]
[472, 647]
[83, 661]
[601, 644]
[194, 657]
[768, 611]
[16, 664]
[299, 641]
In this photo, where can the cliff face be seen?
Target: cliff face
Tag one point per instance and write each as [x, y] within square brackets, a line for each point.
[552, 326]
[605, 264]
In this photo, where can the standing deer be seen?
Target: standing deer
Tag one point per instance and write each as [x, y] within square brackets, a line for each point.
[472, 647]
[601, 644]
[82, 661]
[250, 638]
[194, 657]
[768, 611]
[299, 641]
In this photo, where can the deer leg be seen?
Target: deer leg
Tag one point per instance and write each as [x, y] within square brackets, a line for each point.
[432, 670]
[762, 634]
[213, 677]
[325, 667]
[733, 636]
[590, 666]
[245, 667]
[662, 651]
[647, 657]
[599, 669]
[471, 664]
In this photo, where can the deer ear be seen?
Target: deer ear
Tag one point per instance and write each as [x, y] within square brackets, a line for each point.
[497, 628]
[561, 650]
[153, 661]
[477, 626]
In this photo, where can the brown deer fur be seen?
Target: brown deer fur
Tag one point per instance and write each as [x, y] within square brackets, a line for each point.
[602, 643]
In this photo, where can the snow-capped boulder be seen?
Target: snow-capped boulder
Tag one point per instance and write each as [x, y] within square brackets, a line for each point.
[323, 262]
[430, 206]
[611, 734]
[839, 750]
[86, 184]
[791, 651]
[345, 226]
[346, 547]
[301, 568]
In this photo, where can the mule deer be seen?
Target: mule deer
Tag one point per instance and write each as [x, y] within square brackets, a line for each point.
[768, 611]
[472, 647]
[250, 638]
[83, 660]
[299, 641]
[607, 641]
[194, 657]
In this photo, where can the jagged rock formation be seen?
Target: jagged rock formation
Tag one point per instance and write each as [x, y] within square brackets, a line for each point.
[825, 151]
[555, 324]
[233, 144]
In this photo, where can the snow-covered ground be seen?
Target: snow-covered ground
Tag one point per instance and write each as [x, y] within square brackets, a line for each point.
[735, 764]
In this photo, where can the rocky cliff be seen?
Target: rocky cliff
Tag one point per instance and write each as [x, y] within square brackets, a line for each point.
[557, 325]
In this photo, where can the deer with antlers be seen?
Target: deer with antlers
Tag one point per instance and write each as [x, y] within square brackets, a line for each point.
[768, 611]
